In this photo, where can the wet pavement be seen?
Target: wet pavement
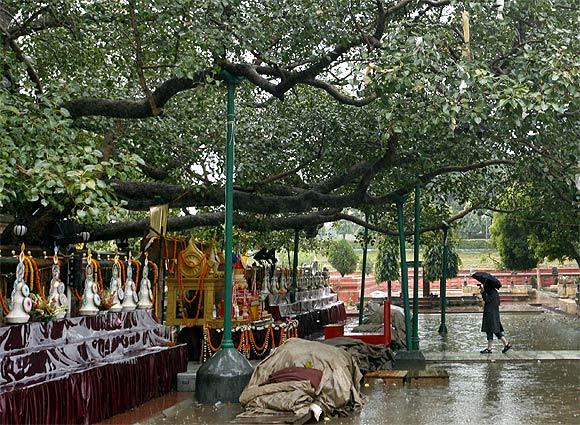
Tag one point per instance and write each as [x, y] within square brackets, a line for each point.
[500, 393]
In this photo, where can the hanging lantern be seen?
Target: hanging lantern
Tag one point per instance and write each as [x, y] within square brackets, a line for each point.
[20, 230]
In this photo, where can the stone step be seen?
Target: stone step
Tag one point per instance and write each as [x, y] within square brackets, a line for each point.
[186, 380]
[513, 356]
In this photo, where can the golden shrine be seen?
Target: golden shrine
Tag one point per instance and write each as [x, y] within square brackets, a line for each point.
[195, 291]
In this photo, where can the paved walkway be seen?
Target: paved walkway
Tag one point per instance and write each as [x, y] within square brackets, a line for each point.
[510, 356]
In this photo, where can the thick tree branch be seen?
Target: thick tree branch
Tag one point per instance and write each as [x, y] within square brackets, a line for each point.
[463, 168]
[139, 60]
[339, 95]
[251, 223]
[121, 108]
[258, 75]
[142, 195]
[22, 58]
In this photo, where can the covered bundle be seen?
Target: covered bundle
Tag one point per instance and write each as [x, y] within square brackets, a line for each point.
[283, 383]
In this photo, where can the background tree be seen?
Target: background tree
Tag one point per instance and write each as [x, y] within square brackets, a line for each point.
[537, 224]
[433, 256]
[387, 267]
[510, 237]
[342, 257]
[376, 96]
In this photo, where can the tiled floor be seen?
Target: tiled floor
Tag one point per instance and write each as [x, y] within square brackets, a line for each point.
[148, 409]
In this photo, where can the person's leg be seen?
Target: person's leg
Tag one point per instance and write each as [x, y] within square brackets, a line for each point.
[506, 344]
[489, 343]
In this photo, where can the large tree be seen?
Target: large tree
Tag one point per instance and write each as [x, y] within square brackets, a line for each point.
[344, 104]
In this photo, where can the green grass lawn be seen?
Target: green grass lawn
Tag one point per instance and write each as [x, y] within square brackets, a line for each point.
[470, 259]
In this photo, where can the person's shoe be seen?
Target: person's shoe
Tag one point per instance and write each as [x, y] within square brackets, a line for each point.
[507, 347]
[486, 351]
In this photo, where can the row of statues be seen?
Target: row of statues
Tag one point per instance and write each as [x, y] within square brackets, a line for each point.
[21, 300]
[122, 299]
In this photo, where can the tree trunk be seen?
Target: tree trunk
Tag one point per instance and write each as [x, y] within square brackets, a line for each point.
[426, 286]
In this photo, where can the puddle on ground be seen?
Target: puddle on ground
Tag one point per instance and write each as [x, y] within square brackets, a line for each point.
[478, 393]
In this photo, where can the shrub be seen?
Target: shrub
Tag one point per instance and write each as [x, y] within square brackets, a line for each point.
[342, 257]
[369, 268]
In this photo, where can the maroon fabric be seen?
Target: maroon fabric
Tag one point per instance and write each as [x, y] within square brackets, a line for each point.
[296, 374]
[84, 369]
[97, 393]
[37, 351]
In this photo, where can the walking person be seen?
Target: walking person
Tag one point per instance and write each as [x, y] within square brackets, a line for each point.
[491, 323]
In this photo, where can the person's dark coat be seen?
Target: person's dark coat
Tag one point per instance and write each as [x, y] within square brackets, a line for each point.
[491, 322]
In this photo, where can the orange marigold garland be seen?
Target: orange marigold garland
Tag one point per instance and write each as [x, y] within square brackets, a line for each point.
[77, 295]
[137, 265]
[155, 286]
[98, 272]
[5, 308]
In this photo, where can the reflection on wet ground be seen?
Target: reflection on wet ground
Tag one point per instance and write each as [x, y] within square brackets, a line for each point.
[529, 331]
[501, 393]
[482, 393]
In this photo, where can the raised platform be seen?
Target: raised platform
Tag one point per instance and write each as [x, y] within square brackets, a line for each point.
[186, 380]
[85, 369]
[511, 356]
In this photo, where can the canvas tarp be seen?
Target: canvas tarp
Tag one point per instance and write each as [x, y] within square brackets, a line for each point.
[338, 393]
[373, 321]
[369, 357]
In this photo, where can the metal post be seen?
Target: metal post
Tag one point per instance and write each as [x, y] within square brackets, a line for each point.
[417, 229]
[295, 265]
[229, 204]
[400, 200]
[225, 375]
[160, 295]
[443, 284]
[361, 305]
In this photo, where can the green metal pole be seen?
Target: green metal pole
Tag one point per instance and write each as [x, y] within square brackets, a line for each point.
[443, 284]
[361, 305]
[295, 265]
[229, 205]
[400, 200]
[416, 267]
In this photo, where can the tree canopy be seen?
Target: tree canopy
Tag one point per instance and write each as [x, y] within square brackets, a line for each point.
[108, 107]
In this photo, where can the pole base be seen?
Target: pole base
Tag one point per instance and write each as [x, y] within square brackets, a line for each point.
[415, 343]
[442, 329]
[223, 377]
[409, 360]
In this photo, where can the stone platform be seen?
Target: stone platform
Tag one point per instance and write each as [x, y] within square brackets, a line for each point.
[510, 356]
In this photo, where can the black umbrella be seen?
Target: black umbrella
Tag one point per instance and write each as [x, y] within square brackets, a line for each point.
[487, 279]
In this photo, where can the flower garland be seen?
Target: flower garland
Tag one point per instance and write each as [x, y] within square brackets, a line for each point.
[155, 284]
[5, 308]
[172, 261]
[77, 295]
[98, 272]
[137, 265]
[208, 348]
[32, 272]
[122, 273]
[181, 260]
[261, 350]
[248, 342]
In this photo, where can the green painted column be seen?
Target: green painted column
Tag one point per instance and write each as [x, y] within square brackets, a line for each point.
[400, 201]
[443, 284]
[416, 240]
[361, 304]
[224, 375]
[295, 265]
[231, 82]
